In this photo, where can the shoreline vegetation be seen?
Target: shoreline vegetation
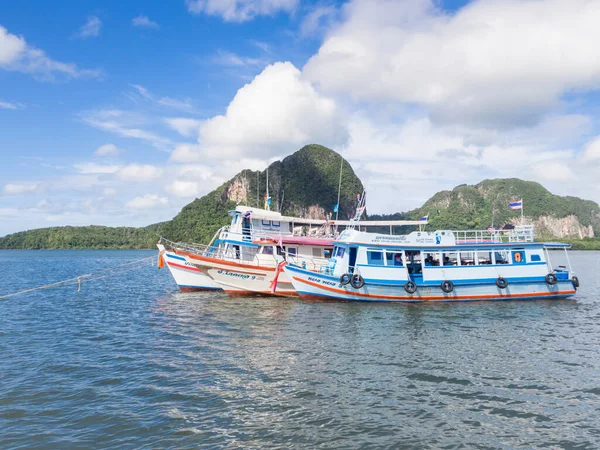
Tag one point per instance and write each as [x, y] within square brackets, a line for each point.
[305, 184]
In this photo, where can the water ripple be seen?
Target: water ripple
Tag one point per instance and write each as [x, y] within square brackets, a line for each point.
[134, 364]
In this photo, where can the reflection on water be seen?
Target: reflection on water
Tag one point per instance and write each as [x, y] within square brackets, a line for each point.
[136, 364]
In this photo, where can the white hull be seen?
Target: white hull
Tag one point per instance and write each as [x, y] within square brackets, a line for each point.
[316, 286]
[238, 283]
[188, 277]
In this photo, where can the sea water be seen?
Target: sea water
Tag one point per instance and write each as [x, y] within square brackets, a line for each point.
[129, 362]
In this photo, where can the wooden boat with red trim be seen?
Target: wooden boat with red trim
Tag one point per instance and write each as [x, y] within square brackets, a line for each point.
[263, 275]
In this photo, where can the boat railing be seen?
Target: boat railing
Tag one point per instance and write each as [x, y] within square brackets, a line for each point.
[315, 264]
[250, 234]
[521, 233]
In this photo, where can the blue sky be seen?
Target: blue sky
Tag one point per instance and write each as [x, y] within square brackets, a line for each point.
[120, 113]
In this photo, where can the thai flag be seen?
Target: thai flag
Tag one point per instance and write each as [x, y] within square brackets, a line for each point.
[247, 215]
[517, 204]
[424, 218]
[491, 228]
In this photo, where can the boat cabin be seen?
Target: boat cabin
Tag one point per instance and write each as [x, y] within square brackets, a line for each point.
[428, 258]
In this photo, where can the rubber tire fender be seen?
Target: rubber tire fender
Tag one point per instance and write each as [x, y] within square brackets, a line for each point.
[447, 286]
[357, 281]
[551, 279]
[501, 283]
[345, 279]
[410, 287]
[575, 281]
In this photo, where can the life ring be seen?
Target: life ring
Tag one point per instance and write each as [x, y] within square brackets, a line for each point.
[447, 286]
[345, 279]
[410, 287]
[518, 257]
[501, 283]
[551, 279]
[357, 281]
[575, 281]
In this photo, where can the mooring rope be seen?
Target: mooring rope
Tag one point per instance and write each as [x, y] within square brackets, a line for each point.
[93, 276]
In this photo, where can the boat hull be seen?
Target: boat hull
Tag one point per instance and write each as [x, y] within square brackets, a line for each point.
[316, 286]
[243, 279]
[187, 277]
[257, 282]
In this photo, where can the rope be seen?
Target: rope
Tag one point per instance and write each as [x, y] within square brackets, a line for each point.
[78, 280]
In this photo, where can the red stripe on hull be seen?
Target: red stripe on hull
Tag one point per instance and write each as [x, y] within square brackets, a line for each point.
[180, 266]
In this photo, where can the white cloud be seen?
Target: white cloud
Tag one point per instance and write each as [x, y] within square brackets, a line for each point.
[90, 29]
[185, 153]
[107, 150]
[277, 111]
[183, 189]
[124, 124]
[7, 105]
[92, 168]
[140, 172]
[109, 191]
[185, 127]
[20, 188]
[226, 58]
[144, 22]
[16, 55]
[318, 20]
[173, 103]
[492, 62]
[142, 91]
[148, 201]
[12, 47]
[240, 10]
[591, 152]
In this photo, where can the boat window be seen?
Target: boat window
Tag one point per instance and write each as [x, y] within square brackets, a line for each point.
[267, 250]
[501, 257]
[450, 259]
[467, 258]
[316, 252]
[266, 223]
[276, 223]
[432, 259]
[339, 252]
[375, 258]
[292, 251]
[235, 218]
[328, 252]
[484, 257]
[394, 259]
[535, 258]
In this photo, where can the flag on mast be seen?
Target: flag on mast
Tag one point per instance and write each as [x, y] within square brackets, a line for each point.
[517, 204]
[424, 218]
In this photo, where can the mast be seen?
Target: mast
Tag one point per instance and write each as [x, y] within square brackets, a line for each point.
[268, 205]
[337, 205]
[257, 188]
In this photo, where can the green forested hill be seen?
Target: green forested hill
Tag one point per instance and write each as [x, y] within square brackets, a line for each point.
[298, 185]
[486, 203]
[303, 183]
[306, 184]
[93, 237]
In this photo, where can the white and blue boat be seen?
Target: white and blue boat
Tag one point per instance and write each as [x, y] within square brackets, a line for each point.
[439, 266]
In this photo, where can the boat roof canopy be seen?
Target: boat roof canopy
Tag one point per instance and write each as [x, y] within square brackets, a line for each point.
[556, 245]
[257, 213]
